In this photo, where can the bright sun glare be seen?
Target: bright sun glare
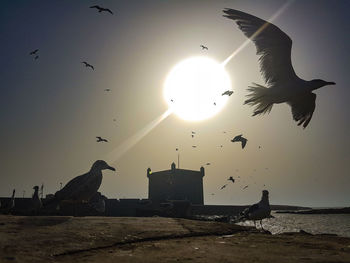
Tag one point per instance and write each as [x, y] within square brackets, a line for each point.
[193, 88]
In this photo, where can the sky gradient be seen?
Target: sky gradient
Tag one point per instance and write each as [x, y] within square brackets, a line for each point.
[51, 109]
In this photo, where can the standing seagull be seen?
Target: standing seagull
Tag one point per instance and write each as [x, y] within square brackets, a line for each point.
[258, 211]
[88, 65]
[241, 139]
[283, 85]
[36, 202]
[83, 187]
[10, 205]
[101, 9]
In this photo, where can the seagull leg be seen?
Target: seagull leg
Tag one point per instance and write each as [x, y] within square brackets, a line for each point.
[261, 225]
[255, 224]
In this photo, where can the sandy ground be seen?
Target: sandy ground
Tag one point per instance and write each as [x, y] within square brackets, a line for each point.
[156, 239]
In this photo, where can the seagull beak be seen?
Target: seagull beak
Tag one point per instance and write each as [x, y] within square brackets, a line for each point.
[111, 168]
[330, 83]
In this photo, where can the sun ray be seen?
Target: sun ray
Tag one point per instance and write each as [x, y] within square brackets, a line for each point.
[245, 43]
[125, 146]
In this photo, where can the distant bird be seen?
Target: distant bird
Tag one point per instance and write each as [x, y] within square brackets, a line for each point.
[36, 57]
[192, 135]
[8, 207]
[172, 100]
[83, 187]
[193, 132]
[222, 187]
[207, 164]
[283, 85]
[241, 139]
[114, 119]
[36, 201]
[259, 147]
[100, 139]
[231, 179]
[101, 9]
[107, 90]
[204, 47]
[214, 103]
[212, 194]
[227, 92]
[221, 146]
[88, 65]
[258, 211]
[194, 146]
[176, 149]
[34, 52]
[245, 187]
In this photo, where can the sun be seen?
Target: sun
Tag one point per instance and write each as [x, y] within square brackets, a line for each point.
[193, 88]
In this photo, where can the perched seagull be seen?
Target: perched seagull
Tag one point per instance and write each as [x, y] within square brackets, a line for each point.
[241, 139]
[10, 205]
[231, 179]
[101, 9]
[34, 52]
[100, 139]
[258, 211]
[36, 201]
[227, 92]
[83, 187]
[204, 47]
[283, 85]
[222, 187]
[88, 65]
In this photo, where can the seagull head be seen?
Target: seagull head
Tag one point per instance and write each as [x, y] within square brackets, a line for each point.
[265, 194]
[319, 83]
[36, 188]
[100, 165]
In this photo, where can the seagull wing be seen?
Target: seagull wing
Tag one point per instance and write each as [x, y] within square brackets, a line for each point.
[109, 10]
[272, 44]
[244, 142]
[95, 6]
[71, 187]
[303, 108]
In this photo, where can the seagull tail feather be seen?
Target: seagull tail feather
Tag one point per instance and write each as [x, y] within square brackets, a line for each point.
[260, 98]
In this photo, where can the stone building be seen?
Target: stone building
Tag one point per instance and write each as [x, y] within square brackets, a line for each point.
[176, 184]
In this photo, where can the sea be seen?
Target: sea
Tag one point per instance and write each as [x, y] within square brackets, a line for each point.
[338, 224]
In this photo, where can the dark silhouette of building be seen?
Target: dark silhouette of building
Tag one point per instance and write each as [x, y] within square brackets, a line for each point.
[176, 184]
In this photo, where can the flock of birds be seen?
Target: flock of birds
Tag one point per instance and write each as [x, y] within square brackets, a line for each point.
[282, 86]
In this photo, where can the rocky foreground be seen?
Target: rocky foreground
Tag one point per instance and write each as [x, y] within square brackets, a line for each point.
[157, 239]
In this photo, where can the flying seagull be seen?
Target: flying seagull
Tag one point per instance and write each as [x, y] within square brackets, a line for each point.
[36, 57]
[194, 146]
[33, 52]
[283, 85]
[222, 187]
[207, 164]
[231, 179]
[204, 47]
[241, 139]
[227, 92]
[245, 187]
[101, 9]
[107, 90]
[88, 65]
[100, 139]
[258, 211]
[83, 187]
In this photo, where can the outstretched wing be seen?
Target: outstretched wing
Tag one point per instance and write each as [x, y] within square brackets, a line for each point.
[108, 10]
[272, 44]
[303, 108]
[95, 6]
[244, 142]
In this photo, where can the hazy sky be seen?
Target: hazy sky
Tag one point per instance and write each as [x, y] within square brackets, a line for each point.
[51, 109]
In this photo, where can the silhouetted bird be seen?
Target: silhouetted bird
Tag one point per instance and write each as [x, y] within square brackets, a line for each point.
[107, 90]
[36, 201]
[274, 48]
[245, 187]
[192, 135]
[204, 47]
[100, 139]
[193, 132]
[83, 187]
[176, 149]
[194, 146]
[101, 9]
[241, 139]
[227, 92]
[36, 57]
[207, 164]
[214, 103]
[258, 211]
[222, 187]
[172, 100]
[34, 52]
[231, 179]
[88, 65]
[8, 207]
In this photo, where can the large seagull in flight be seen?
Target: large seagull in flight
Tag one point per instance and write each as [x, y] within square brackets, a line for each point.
[283, 85]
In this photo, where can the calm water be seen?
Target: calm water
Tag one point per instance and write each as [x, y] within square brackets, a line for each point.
[315, 224]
